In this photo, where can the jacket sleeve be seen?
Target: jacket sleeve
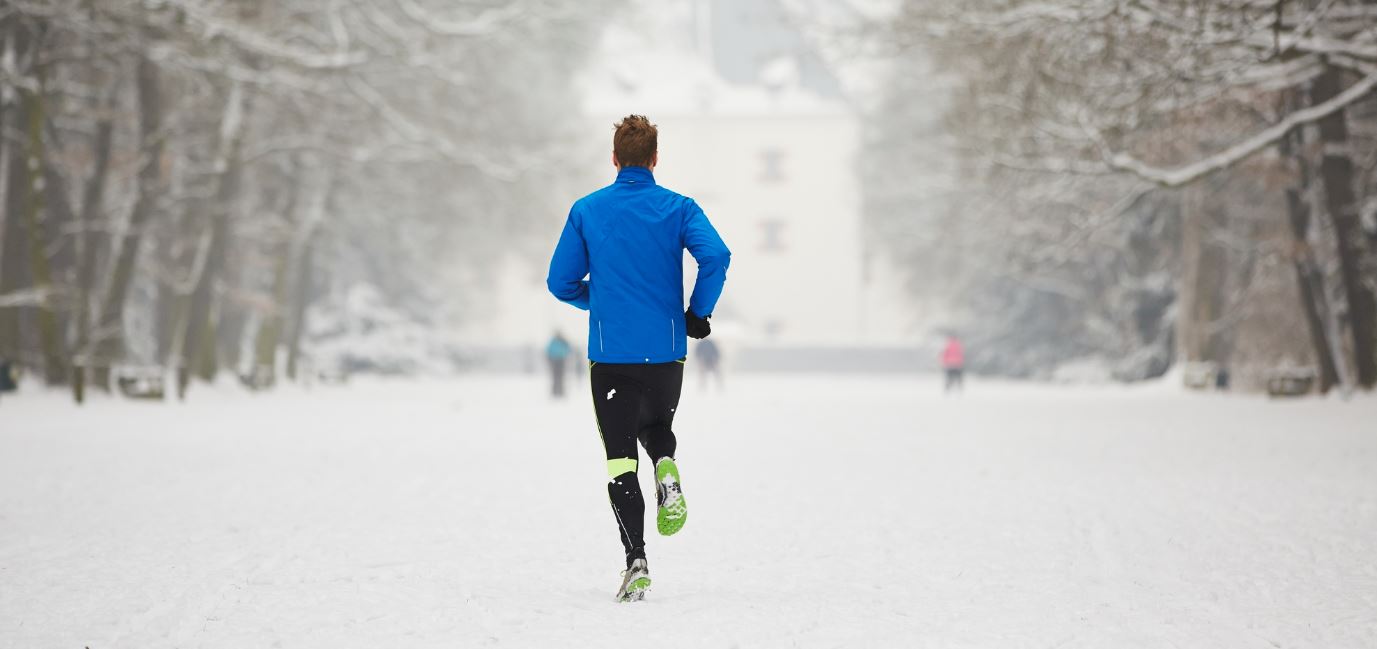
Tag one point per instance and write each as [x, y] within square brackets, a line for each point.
[712, 256]
[569, 265]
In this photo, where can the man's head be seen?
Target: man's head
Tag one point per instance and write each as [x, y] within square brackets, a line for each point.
[634, 143]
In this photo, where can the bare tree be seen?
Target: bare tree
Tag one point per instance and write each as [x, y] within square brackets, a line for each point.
[147, 152]
[1062, 101]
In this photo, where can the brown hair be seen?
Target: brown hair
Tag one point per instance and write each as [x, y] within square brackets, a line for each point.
[635, 143]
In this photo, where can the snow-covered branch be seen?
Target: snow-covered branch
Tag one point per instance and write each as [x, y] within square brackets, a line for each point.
[487, 22]
[416, 135]
[35, 297]
[1185, 174]
[255, 42]
[1049, 165]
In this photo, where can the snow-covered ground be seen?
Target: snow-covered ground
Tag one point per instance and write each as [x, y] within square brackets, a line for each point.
[854, 512]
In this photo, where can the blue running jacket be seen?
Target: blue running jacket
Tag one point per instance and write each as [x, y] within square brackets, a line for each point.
[628, 240]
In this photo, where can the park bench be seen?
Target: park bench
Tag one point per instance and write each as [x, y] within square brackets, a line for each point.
[1290, 382]
[140, 382]
[1200, 375]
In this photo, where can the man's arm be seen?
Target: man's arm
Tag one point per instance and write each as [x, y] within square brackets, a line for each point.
[569, 265]
[712, 256]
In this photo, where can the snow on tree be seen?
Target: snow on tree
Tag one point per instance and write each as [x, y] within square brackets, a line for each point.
[182, 178]
[1133, 174]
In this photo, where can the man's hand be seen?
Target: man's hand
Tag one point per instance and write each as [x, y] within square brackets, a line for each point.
[696, 327]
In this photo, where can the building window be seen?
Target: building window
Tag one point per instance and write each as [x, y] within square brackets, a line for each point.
[772, 235]
[772, 165]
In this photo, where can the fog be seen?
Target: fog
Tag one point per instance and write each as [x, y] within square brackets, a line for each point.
[1077, 191]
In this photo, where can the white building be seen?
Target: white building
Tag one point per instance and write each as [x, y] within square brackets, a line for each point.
[757, 130]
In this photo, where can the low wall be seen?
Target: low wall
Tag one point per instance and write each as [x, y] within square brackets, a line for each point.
[737, 359]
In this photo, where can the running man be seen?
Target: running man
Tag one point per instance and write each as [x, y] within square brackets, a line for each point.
[621, 258]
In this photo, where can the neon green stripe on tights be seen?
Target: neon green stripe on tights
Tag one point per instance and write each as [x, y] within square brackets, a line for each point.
[618, 466]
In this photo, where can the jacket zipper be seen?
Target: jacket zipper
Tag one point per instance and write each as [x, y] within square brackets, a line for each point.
[673, 339]
[601, 347]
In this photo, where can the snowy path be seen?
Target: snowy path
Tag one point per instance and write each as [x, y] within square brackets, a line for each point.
[846, 513]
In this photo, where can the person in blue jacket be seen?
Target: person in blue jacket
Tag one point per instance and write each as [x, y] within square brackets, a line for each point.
[621, 258]
[556, 353]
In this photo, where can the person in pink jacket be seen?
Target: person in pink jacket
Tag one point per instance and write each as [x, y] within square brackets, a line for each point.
[954, 363]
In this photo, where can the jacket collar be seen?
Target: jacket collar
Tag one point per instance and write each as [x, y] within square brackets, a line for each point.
[635, 175]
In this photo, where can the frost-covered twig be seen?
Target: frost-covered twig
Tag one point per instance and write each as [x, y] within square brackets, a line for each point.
[1186, 174]
[255, 42]
[1049, 165]
[487, 22]
[416, 135]
[26, 298]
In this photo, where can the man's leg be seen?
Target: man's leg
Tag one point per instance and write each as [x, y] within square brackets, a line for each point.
[617, 405]
[557, 377]
[663, 384]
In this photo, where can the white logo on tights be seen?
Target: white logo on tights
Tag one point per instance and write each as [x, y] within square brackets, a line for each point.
[612, 392]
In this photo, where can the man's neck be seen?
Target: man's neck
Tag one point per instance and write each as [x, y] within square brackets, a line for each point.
[635, 174]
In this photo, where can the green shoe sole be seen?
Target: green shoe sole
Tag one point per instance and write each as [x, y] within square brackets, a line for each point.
[671, 515]
[635, 591]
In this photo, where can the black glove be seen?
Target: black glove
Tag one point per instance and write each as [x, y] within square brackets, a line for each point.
[695, 326]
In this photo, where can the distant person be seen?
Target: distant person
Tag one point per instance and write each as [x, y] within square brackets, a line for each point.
[8, 381]
[621, 257]
[954, 364]
[557, 355]
[709, 359]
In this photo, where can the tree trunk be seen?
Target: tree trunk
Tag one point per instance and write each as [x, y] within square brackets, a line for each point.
[14, 263]
[233, 320]
[1337, 175]
[197, 349]
[270, 331]
[1203, 280]
[279, 327]
[201, 338]
[174, 302]
[49, 334]
[300, 300]
[4, 43]
[303, 243]
[109, 334]
[1309, 276]
[1310, 281]
[86, 253]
